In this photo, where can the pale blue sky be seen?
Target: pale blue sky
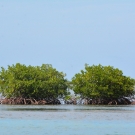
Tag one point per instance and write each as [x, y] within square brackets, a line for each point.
[68, 33]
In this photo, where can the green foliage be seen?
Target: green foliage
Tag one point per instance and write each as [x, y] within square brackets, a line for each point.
[102, 82]
[68, 97]
[32, 82]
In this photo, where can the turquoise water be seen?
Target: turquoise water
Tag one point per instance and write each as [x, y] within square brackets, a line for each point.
[67, 120]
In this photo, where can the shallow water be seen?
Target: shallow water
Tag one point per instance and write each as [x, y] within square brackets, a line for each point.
[67, 120]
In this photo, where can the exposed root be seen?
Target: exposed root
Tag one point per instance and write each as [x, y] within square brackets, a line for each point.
[27, 101]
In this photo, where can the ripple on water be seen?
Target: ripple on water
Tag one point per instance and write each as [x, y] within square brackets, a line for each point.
[67, 119]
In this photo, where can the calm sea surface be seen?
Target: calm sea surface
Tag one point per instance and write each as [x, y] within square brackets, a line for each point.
[67, 120]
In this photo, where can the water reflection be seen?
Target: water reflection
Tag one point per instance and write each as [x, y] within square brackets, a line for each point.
[65, 108]
[67, 120]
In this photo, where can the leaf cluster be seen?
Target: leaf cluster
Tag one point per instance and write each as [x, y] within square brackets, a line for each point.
[104, 82]
[32, 81]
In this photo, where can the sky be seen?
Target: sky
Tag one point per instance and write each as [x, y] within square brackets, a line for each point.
[68, 34]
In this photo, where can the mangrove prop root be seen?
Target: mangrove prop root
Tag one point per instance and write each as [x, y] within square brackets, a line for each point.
[26, 101]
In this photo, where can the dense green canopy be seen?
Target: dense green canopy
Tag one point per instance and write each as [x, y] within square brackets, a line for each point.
[32, 81]
[102, 82]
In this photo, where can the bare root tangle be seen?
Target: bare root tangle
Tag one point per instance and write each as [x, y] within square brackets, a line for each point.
[27, 101]
[35, 101]
[113, 102]
[49, 101]
[122, 101]
[133, 103]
